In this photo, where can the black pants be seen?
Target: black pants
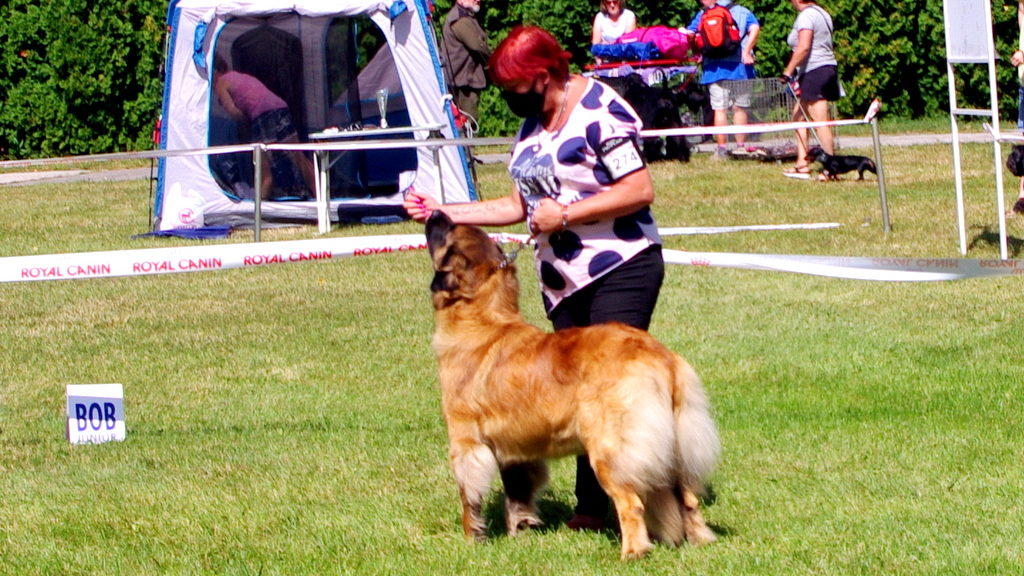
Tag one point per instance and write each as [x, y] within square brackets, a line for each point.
[627, 294]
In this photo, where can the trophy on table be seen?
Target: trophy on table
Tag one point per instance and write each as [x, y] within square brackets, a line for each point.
[382, 105]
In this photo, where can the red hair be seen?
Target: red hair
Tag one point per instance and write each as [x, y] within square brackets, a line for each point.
[525, 54]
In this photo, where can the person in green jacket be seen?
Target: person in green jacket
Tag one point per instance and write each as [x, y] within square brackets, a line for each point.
[466, 53]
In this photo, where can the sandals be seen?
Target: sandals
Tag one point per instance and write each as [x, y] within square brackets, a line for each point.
[798, 172]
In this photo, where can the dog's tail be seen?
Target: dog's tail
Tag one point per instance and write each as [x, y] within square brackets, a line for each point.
[696, 434]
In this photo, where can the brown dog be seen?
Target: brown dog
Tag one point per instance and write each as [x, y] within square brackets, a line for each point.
[514, 396]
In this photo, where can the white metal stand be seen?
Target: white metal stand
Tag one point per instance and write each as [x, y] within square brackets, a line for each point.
[969, 40]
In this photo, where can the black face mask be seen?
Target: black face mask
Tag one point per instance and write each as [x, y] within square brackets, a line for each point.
[526, 105]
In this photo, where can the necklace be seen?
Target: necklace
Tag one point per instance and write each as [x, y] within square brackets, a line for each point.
[561, 108]
[546, 133]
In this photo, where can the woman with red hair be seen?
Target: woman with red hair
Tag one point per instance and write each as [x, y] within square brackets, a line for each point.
[583, 188]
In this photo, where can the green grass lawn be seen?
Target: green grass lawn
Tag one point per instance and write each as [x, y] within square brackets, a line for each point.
[286, 419]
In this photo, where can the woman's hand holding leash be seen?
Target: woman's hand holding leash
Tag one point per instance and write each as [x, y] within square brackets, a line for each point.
[549, 216]
[419, 206]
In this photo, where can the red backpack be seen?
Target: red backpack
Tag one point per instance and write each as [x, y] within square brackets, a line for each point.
[717, 34]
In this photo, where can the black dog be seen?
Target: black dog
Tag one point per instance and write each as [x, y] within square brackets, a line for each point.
[658, 107]
[832, 166]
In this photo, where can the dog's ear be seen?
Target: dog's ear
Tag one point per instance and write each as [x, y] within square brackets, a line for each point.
[437, 227]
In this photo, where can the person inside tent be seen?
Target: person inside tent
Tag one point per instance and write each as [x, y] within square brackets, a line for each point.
[267, 118]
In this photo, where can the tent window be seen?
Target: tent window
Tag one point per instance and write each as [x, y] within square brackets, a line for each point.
[359, 64]
[302, 75]
[259, 95]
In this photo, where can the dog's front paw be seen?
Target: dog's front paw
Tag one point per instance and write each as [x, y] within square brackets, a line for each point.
[524, 524]
[636, 551]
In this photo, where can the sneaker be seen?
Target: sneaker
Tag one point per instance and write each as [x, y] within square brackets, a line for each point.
[721, 153]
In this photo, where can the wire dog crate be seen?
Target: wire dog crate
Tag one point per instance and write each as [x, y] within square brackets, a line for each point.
[771, 102]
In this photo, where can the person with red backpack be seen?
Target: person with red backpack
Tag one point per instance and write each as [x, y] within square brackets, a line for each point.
[725, 34]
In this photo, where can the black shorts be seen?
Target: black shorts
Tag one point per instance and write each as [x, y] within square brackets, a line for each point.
[274, 126]
[820, 84]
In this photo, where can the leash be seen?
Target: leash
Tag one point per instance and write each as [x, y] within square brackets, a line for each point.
[510, 258]
[794, 89]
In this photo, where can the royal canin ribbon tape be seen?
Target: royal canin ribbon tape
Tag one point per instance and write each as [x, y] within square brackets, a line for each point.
[149, 261]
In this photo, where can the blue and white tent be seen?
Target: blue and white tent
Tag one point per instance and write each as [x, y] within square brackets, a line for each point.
[327, 59]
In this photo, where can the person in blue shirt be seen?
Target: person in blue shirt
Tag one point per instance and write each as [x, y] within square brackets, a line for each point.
[719, 74]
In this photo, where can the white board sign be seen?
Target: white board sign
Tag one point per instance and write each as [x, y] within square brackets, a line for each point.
[95, 413]
[968, 31]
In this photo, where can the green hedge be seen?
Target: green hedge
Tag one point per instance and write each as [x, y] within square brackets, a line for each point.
[79, 76]
[84, 76]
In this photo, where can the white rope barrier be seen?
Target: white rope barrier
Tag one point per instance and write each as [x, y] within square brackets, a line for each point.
[697, 230]
[855, 268]
[754, 128]
[151, 261]
[258, 148]
[379, 144]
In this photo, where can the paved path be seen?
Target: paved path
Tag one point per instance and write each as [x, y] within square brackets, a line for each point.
[61, 176]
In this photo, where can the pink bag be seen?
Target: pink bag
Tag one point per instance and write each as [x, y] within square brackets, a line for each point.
[670, 41]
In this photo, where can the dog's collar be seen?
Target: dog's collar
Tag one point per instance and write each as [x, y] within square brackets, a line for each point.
[510, 258]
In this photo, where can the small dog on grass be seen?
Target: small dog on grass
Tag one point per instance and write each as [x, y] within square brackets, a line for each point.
[833, 165]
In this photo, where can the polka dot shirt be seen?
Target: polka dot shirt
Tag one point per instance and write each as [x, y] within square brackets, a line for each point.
[565, 166]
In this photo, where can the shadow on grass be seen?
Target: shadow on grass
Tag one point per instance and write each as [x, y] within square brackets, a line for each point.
[989, 237]
[556, 514]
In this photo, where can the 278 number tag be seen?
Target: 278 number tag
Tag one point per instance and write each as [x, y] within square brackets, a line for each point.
[621, 157]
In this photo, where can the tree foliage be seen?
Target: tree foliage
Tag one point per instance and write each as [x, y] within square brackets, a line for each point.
[84, 76]
[78, 76]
